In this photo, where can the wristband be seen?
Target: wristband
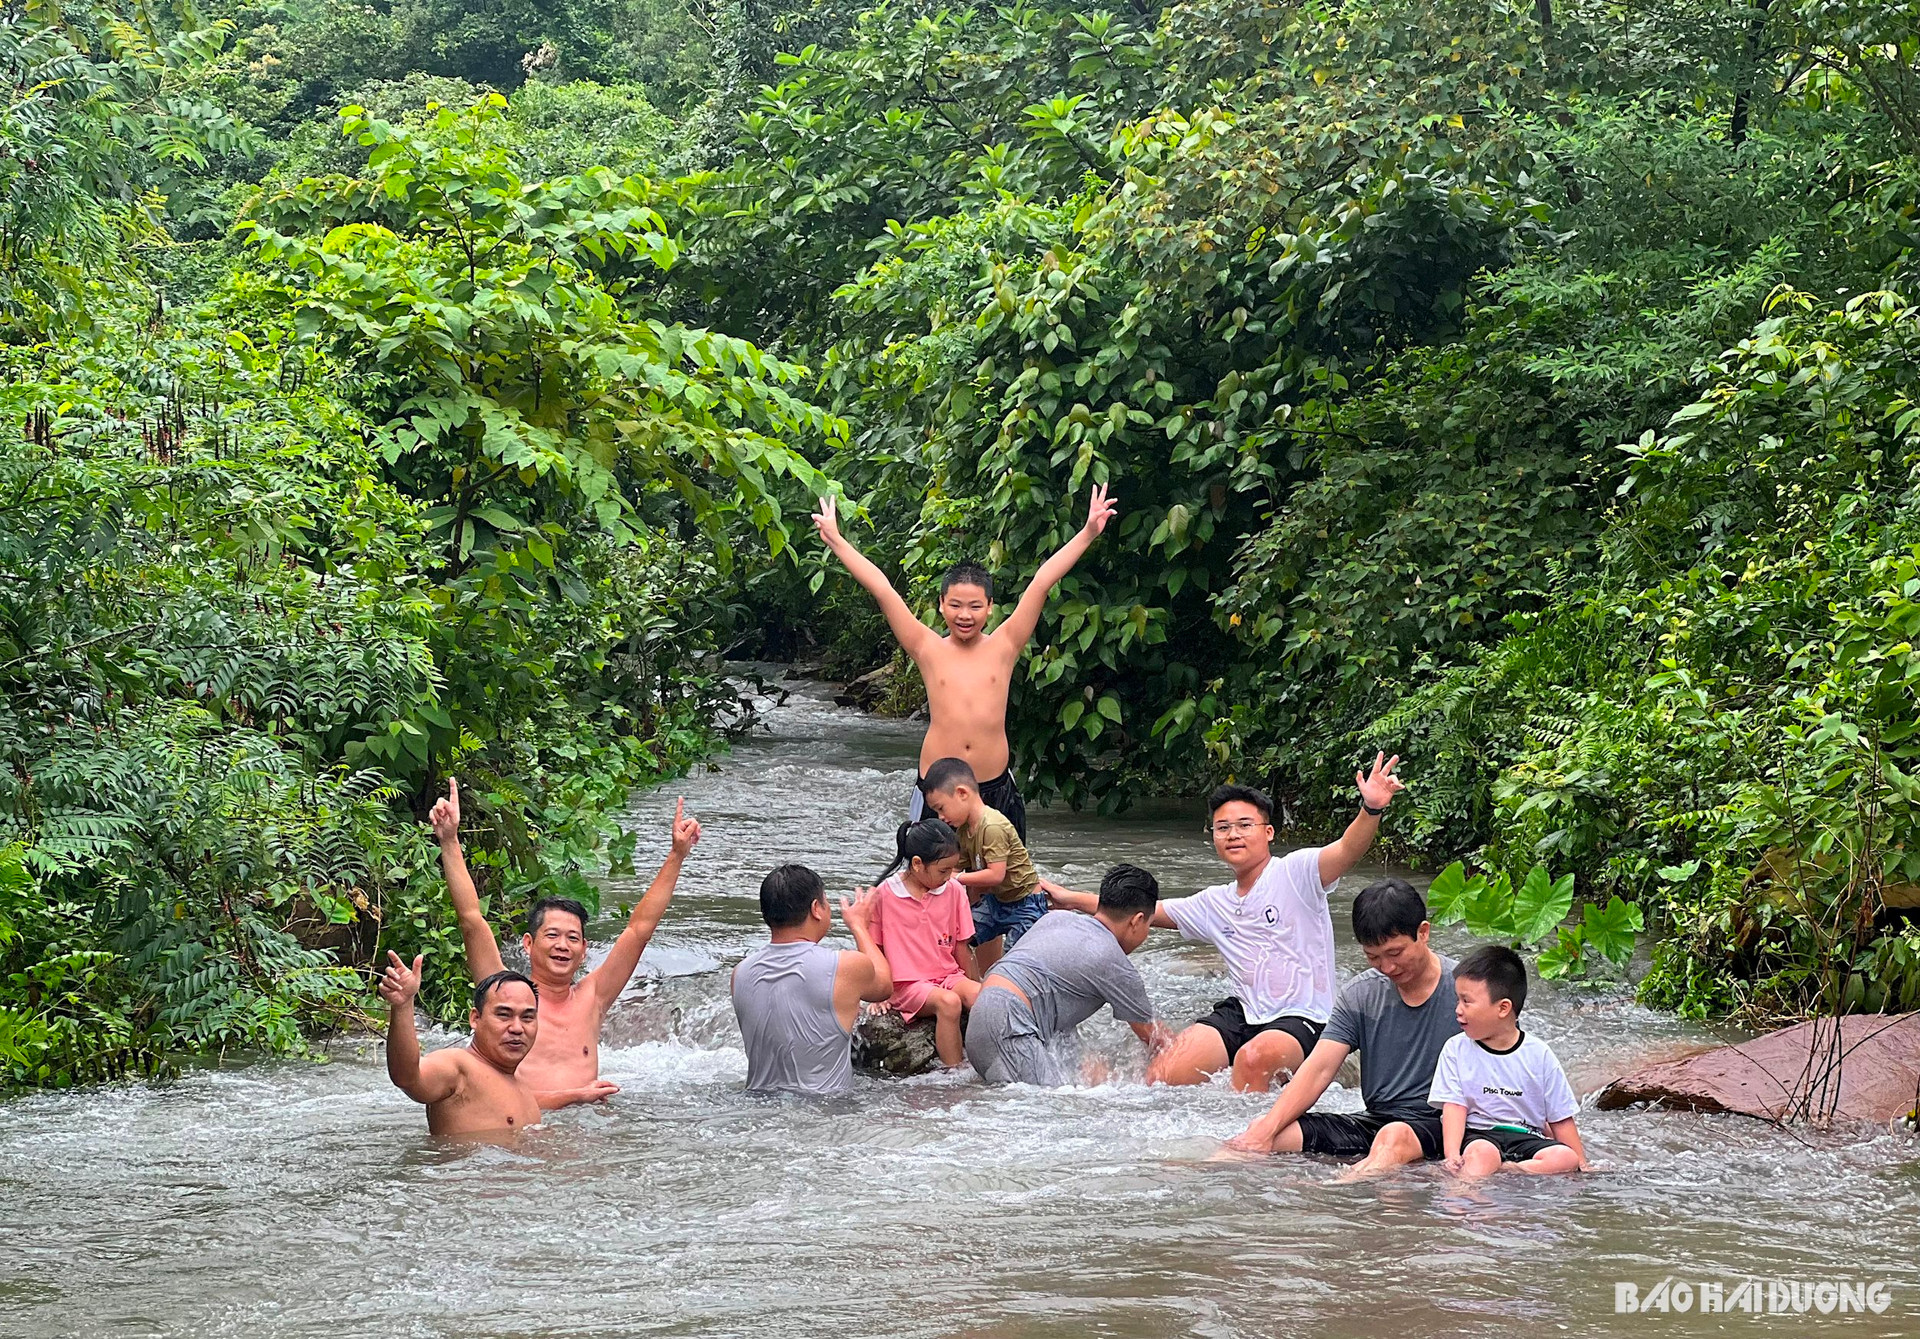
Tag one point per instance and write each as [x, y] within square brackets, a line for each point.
[1369, 809]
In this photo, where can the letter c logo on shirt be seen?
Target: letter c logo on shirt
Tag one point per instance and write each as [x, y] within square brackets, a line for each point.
[1272, 915]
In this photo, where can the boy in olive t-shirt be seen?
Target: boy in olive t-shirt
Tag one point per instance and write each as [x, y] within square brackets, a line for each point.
[1000, 878]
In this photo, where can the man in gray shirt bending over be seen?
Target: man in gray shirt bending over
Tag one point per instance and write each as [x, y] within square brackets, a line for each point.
[797, 1000]
[1022, 1027]
[1397, 1015]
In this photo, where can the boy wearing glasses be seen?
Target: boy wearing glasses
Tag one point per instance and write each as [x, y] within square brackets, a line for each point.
[1272, 927]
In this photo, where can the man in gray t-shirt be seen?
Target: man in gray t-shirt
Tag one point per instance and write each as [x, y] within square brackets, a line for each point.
[1398, 1015]
[1058, 976]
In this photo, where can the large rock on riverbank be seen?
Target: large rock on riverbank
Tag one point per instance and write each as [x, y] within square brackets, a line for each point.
[1868, 1068]
[883, 1045]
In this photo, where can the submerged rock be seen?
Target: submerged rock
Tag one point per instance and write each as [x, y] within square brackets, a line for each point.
[868, 691]
[884, 1045]
[1869, 1069]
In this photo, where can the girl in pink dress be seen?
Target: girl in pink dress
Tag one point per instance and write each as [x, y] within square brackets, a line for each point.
[922, 922]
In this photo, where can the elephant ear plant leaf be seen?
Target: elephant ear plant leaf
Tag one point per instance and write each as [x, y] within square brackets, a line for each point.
[1492, 906]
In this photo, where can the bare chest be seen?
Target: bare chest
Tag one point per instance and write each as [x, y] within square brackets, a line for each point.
[569, 1036]
[975, 682]
[513, 1102]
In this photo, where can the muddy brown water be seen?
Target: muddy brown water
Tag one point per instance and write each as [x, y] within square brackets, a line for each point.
[292, 1199]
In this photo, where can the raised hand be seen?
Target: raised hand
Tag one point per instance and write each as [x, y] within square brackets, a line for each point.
[858, 913]
[1379, 785]
[446, 814]
[827, 520]
[1100, 510]
[400, 983]
[686, 831]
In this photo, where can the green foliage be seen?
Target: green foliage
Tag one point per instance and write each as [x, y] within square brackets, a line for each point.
[1490, 381]
[101, 144]
[1528, 912]
[538, 421]
[1352, 305]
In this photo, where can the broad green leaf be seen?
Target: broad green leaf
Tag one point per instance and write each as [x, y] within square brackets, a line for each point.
[1610, 929]
[1489, 910]
[1540, 904]
[1567, 955]
[1447, 894]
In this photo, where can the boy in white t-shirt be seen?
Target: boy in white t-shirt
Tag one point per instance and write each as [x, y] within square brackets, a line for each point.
[1274, 933]
[1503, 1098]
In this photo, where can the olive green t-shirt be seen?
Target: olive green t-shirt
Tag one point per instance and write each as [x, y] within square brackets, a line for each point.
[993, 838]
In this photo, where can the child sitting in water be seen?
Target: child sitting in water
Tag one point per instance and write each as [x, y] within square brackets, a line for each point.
[1000, 880]
[1502, 1095]
[922, 923]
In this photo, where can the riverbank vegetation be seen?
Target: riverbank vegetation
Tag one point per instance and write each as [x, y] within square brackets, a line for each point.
[413, 389]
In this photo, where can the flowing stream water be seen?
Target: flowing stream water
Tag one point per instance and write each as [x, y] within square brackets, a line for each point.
[293, 1199]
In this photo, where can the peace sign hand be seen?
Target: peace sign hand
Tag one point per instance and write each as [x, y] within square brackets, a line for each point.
[400, 983]
[1379, 785]
[827, 519]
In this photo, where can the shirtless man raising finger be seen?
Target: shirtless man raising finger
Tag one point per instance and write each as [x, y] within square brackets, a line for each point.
[471, 1089]
[968, 672]
[563, 1064]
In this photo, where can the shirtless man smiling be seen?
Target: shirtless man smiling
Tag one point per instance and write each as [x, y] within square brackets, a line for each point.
[563, 1065]
[968, 672]
[471, 1089]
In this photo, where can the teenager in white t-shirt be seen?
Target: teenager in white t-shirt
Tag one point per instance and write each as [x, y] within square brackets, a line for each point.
[1272, 928]
[1503, 1098]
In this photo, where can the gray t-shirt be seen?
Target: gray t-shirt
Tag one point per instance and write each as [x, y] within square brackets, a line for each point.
[1069, 965]
[783, 997]
[1398, 1046]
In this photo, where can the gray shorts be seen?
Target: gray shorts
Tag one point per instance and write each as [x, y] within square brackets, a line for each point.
[1004, 1044]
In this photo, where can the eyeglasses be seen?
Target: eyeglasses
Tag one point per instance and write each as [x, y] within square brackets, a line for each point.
[1240, 826]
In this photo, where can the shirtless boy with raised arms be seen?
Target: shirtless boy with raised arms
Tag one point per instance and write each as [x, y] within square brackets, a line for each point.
[471, 1089]
[563, 1066]
[968, 672]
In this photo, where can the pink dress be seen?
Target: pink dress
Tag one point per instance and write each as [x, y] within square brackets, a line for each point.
[918, 937]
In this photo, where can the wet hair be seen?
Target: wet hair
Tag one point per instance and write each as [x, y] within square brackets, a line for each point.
[1388, 908]
[486, 985]
[928, 840]
[537, 913]
[1129, 890]
[967, 572]
[947, 773]
[1500, 970]
[1230, 793]
[787, 895]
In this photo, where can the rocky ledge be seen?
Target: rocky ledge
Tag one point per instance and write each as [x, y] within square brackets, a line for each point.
[1866, 1068]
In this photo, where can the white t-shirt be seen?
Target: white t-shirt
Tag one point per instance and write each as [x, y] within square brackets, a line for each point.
[1524, 1086]
[1277, 940]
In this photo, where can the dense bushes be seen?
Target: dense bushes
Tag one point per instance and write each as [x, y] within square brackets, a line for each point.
[1526, 386]
[423, 487]
[1355, 307]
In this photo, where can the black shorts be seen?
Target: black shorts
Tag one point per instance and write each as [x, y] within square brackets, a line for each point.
[1001, 793]
[1514, 1145]
[1229, 1019]
[1344, 1136]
